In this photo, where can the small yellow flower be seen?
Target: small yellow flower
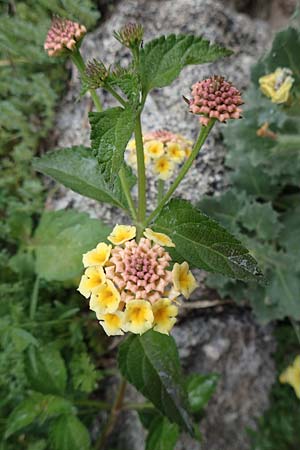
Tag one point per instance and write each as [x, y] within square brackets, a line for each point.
[164, 315]
[183, 279]
[175, 152]
[155, 149]
[138, 316]
[291, 375]
[98, 256]
[164, 168]
[112, 323]
[93, 277]
[277, 85]
[105, 299]
[188, 151]
[121, 234]
[158, 238]
[131, 145]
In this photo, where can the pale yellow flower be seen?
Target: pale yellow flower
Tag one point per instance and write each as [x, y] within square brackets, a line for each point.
[188, 151]
[93, 278]
[105, 299]
[158, 238]
[164, 168]
[183, 279]
[131, 144]
[164, 315]
[291, 375]
[132, 159]
[121, 234]
[175, 152]
[138, 316]
[155, 149]
[112, 323]
[277, 85]
[97, 256]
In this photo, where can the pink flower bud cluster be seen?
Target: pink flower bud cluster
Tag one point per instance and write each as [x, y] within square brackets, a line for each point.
[139, 270]
[215, 98]
[63, 34]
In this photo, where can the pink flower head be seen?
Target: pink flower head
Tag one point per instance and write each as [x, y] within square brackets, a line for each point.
[215, 98]
[139, 270]
[63, 34]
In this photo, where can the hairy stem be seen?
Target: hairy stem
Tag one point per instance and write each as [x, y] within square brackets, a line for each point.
[117, 406]
[79, 63]
[204, 132]
[127, 193]
[141, 175]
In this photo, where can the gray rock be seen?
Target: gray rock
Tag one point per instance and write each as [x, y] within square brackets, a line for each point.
[229, 343]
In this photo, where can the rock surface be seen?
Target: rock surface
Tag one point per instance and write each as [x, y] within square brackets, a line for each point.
[229, 343]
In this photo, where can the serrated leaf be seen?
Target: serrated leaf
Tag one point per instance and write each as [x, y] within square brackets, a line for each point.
[162, 435]
[69, 433]
[47, 373]
[128, 82]
[78, 169]
[84, 373]
[204, 243]
[60, 240]
[290, 235]
[261, 218]
[110, 133]
[162, 59]
[200, 389]
[151, 363]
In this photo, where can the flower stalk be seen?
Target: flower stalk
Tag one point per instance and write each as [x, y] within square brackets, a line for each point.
[141, 176]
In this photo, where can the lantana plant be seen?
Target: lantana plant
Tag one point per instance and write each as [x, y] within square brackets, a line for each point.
[134, 279]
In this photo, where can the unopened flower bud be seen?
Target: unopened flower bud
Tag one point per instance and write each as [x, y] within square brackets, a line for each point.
[63, 35]
[95, 74]
[215, 98]
[131, 35]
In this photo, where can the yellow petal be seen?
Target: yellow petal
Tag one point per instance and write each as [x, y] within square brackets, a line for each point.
[283, 93]
[97, 256]
[155, 149]
[131, 144]
[112, 323]
[121, 234]
[291, 375]
[164, 168]
[164, 315]
[92, 278]
[158, 238]
[105, 299]
[183, 279]
[175, 152]
[138, 316]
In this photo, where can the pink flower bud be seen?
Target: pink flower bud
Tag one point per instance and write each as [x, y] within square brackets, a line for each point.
[63, 34]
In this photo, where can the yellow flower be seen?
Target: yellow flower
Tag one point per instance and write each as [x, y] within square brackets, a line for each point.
[164, 315]
[131, 145]
[112, 323]
[277, 85]
[164, 168]
[175, 152]
[138, 316]
[93, 277]
[98, 256]
[183, 279]
[291, 375]
[188, 151]
[105, 299]
[121, 234]
[155, 149]
[158, 238]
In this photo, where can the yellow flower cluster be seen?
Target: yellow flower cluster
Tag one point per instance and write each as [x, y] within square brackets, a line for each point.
[128, 284]
[277, 85]
[164, 152]
[291, 375]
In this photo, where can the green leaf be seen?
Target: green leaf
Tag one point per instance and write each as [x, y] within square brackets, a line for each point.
[36, 407]
[162, 435]
[162, 59]
[151, 363]
[200, 389]
[78, 169]
[84, 373]
[22, 338]
[260, 218]
[290, 235]
[69, 433]
[128, 81]
[60, 240]
[204, 243]
[47, 372]
[110, 133]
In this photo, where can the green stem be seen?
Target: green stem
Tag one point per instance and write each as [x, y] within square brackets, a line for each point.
[115, 94]
[137, 406]
[117, 406]
[34, 298]
[79, 63]
[204, 132]
[125, 186]
[141, 175]
[160, 190]
[94, 404]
